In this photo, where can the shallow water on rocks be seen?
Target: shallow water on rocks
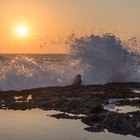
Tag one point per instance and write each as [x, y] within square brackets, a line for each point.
[37, 125]
[121, 109]
[136, 91]
[113, 106]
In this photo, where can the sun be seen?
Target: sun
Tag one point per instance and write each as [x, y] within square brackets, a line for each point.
[22, 30]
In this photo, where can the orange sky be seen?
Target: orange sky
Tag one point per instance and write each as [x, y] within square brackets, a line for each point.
[53, 19]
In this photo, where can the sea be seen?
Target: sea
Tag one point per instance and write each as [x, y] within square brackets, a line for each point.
[98, 59]
[37, 125]
[26, 71]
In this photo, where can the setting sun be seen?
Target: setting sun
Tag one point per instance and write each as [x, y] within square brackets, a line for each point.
[21, 30]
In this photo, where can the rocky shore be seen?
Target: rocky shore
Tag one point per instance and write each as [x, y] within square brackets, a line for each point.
[90, 101]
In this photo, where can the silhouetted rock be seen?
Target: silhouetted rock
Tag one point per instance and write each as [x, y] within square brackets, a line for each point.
[120, 123]
[65, 116]
[77, 80]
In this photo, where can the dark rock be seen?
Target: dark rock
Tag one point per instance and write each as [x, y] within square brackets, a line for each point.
[77, 80]
[95, 128]
[65, 116]
[119, 123]
[97, 109]
[138, 125]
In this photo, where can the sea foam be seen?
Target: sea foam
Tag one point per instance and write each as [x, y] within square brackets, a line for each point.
[106, 59]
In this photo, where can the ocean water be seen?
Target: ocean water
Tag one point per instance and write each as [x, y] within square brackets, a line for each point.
[99, 59]
[18, 71]
[36, 125]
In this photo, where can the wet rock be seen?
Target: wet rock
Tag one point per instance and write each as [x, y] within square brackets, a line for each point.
[65, 116]
[134, 102]
[138, 125]
[91, 119]
[97, 109]
[20, 106]
[77, 80]
[95, 128]
[120, 123]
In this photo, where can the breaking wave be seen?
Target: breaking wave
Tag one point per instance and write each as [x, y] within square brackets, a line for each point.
[99, 59]
[26, 72]
[106, 58]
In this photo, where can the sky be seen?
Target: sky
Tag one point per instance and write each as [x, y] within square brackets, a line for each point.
[51, 20]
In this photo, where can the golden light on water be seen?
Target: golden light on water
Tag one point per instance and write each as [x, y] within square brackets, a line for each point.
[22, 30]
